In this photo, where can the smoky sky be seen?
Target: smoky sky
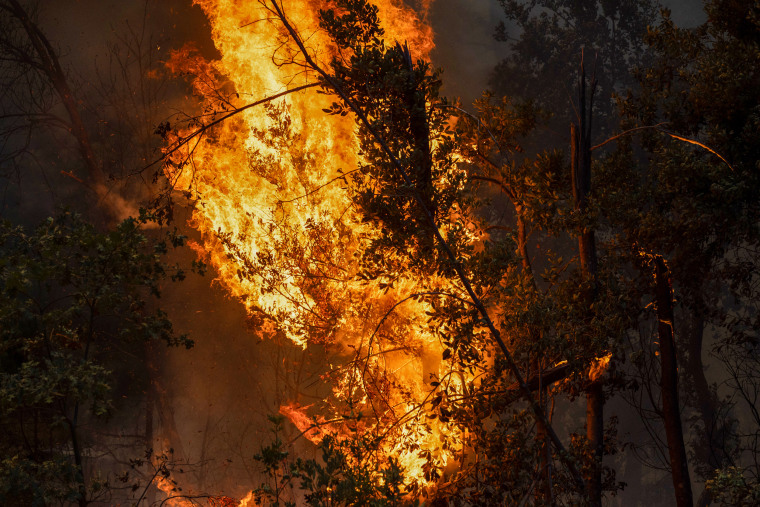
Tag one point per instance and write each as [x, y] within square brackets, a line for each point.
[465, 47]
[467, 51]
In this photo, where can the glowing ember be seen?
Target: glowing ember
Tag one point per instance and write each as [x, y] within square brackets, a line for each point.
[170, 489]
[311, 429]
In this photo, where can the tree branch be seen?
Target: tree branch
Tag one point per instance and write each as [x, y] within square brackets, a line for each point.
[239, 110]
[659, 128]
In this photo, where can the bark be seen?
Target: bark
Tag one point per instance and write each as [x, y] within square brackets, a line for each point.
[671, 412]
[595, 436]
[522, 245]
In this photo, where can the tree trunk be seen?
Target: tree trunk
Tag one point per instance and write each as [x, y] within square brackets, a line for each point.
[544, 493]
[595, 436]
[78, 462]
[671, 412]
[580, 138]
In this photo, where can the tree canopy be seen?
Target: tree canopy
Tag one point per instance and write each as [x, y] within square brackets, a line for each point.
[74, 303]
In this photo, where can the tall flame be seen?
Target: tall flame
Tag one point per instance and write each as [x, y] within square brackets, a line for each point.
[279, 226]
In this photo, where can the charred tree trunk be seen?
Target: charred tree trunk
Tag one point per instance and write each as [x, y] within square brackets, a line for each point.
[671, 412]
[580, 136]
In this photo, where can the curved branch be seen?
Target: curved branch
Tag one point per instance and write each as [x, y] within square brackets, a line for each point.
[659, 128]
[239, 110]
[399, 303]
[697, 143]
[626, 133]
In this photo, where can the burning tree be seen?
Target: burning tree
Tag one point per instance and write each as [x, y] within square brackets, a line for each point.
[397, 262]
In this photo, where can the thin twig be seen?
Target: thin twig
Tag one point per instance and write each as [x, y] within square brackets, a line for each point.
[320, 187]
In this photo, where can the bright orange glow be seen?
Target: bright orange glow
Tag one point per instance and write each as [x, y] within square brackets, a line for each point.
[279, 226]
[165, 485]
[599, 367]
[246, 500]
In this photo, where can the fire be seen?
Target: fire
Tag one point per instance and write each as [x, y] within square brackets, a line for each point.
[279, 226]
[599, 367]
[173, 499]
[246, 500]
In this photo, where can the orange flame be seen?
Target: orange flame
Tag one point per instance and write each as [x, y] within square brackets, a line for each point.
[279, 226]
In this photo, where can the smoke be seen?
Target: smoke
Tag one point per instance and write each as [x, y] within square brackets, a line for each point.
[218, 395]
[686, 13]
[465, 47]
[112, 54]
[468, 52]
